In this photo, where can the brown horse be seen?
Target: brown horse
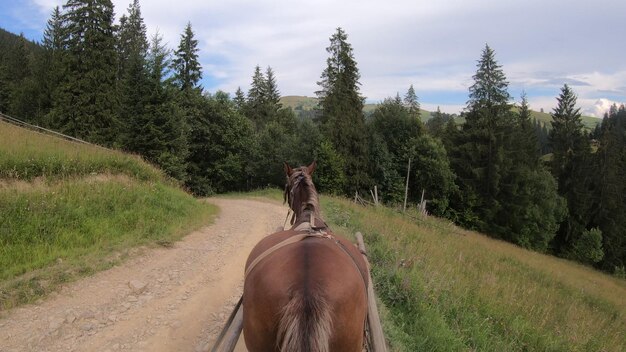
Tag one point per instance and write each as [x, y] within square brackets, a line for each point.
[305, 288]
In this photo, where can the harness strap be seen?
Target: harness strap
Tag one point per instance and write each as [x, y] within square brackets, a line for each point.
[299, 237]
[286, 242]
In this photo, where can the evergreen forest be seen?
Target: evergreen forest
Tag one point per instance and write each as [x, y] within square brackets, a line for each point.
[556, 188]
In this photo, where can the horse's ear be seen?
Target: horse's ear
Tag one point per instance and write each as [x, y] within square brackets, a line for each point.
[311, 167]
[288, 169]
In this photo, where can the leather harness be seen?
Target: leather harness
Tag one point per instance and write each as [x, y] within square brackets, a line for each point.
[305, 230]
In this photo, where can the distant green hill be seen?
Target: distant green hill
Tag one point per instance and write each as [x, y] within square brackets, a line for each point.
[590, 122]
[299, 102]
[303, 103]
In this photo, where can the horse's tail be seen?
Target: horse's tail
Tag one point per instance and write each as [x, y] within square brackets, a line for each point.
[305, 324]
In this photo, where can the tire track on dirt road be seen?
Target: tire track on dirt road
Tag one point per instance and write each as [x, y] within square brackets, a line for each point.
[174, 299]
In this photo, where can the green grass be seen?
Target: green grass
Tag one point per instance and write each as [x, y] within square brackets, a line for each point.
[69, 209]
[446, 289]
[26, 155]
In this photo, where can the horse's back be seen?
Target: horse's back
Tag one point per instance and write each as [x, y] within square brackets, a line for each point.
[314, 275]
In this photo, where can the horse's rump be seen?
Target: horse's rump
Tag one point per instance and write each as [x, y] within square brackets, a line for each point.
[309, 296]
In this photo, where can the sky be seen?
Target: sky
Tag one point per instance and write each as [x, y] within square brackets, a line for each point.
[432, 45]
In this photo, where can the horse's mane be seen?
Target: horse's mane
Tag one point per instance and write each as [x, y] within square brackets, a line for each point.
[298, 183]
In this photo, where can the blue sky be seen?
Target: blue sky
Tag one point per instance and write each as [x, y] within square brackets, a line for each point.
[434, 45]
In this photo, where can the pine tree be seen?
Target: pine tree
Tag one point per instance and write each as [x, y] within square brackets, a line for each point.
[571, 166]
[524, 141]
[132, 40]
[133, 75]
[566, 137]
[161, 131]
[341, 108]
[5, 92]
[276, 130]
[531, 209]
[610, 199]
[479, 155]
[85, 102]
[240, 100]
[187, 69]
[51, 70]
[412, 104]
[19, 74]
[256, 100]
[272, 95]
[186, 77]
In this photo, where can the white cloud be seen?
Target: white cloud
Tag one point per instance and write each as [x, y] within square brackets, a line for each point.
[433, 45]
[46, 6]
[598, 108]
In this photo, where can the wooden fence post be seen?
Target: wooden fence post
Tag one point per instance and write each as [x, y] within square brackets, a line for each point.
[406, 188]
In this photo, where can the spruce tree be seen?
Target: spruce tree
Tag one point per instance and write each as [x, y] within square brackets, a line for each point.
[341, 110]
[571, 166]
[524, 141]
[531, 209]
[85, 101]
[272, 93]
[479, 155]
[412, 104]
[566, 137]
[240, 100]
[276, 130]
[263, 102]
[51, 69]
[161, 130]
[187, 73]
[187, 69]
[133, 76]
[20, 86]
[5, 92]
[132, 40]
[256, 100]
[610, 199]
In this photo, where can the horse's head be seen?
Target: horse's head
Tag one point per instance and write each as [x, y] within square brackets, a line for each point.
[300, 192]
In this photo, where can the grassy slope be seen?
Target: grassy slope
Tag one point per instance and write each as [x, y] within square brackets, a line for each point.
[68, 209]
[446, 289]
[589, 122]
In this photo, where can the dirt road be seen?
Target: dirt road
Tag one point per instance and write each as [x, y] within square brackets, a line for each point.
[174, 299]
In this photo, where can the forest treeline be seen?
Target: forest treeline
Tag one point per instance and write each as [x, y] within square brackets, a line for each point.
[556, 189]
